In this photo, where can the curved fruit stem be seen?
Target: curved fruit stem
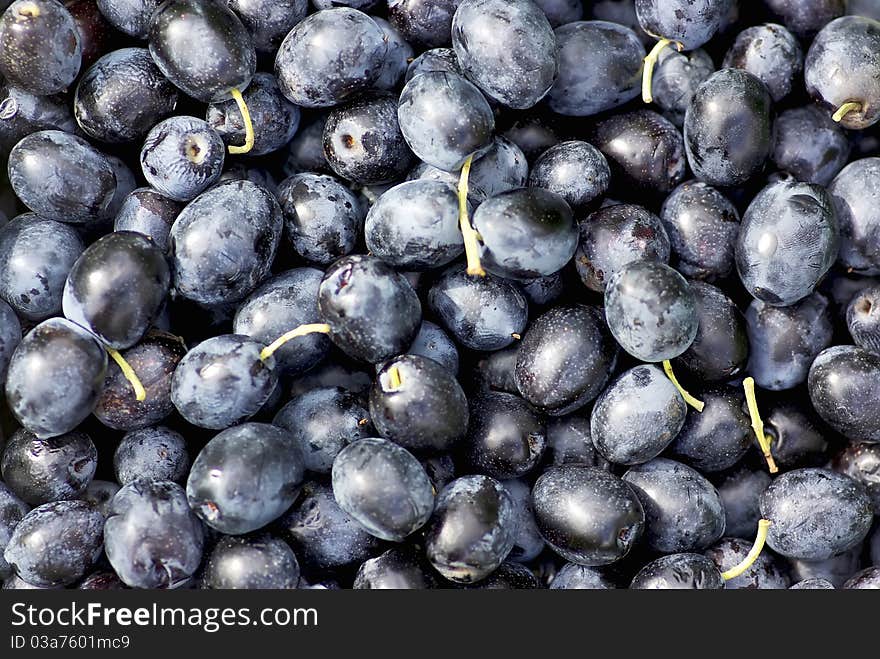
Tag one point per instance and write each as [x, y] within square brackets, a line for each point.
[758, 424]
[650, 63]
[471, 244]
[139, 392]
[248, 124]
[698, 405]
[845, 109]
[394, 377]
[754, 552]
[302, 330]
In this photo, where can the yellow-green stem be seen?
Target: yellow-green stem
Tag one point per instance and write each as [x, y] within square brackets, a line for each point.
[471, 244]
[845, 109]
[753, 554]
[650, 63]
[139, 392]
[302, 330]
[248, 124]
[758, 424]
[697, 404]
[395, 378]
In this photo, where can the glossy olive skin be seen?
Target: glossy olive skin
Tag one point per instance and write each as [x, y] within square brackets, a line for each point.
[282, 303]
[330, 56]
[717, 154]
[372, 310]
[505, 438]
[260, 563]
[816, 513]
[154, 359]
[615, 236]
[784, 341]
[117, 287]
[683, 511]
[507, 48]
[42, 470]
[855, 199]
[223, 57]
[720, 350]
[651, 311]
[843, 381]
[428, 411]
[816, 160]
[702, 226]
[851, 44]
[565, 495]
[122, 96]
[788, 240]
[42, 50]
[644, 149]
[396, 569]
[679, 572]
[222, 381]
[55, 377]
[472, 529]
[82, 183]
[223, 243]
[383, 487]
[719, 436]
[600, 68]
[256, 453]
[565, 359]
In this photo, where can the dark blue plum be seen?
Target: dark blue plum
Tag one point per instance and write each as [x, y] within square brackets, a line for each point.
[282, 303]
[507, 48]
[816, 513]
[245, 477]
[770, 53]
[679, 572]
[222, 244]
[505, 437]
[56, 544]
[330, 56]
[223, 381]
[766, 573]
[719, 436]
[129, 16]
[322, 422]
[615, 236]
[182, 157]
[482, 313]
[322, 218]
[62, 177]
[600, 68]
[202, 48]
[23, 113]
[396, 569]
[149, 213]
[784, 341]
[677, 76]
[122, 96]
[788, 240]
[269, 21]
[275, 120]
[152, 538]
[862, 319]
[565, 359]
[156, 453]
[445, 119]
[856, 201]
[434, 343]
[637, 416]
[843, 381]
[683, 511]
[685, 21]
[577, 171]
[572, 576]
[260, 563]
[12, 510]
[55, 377]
